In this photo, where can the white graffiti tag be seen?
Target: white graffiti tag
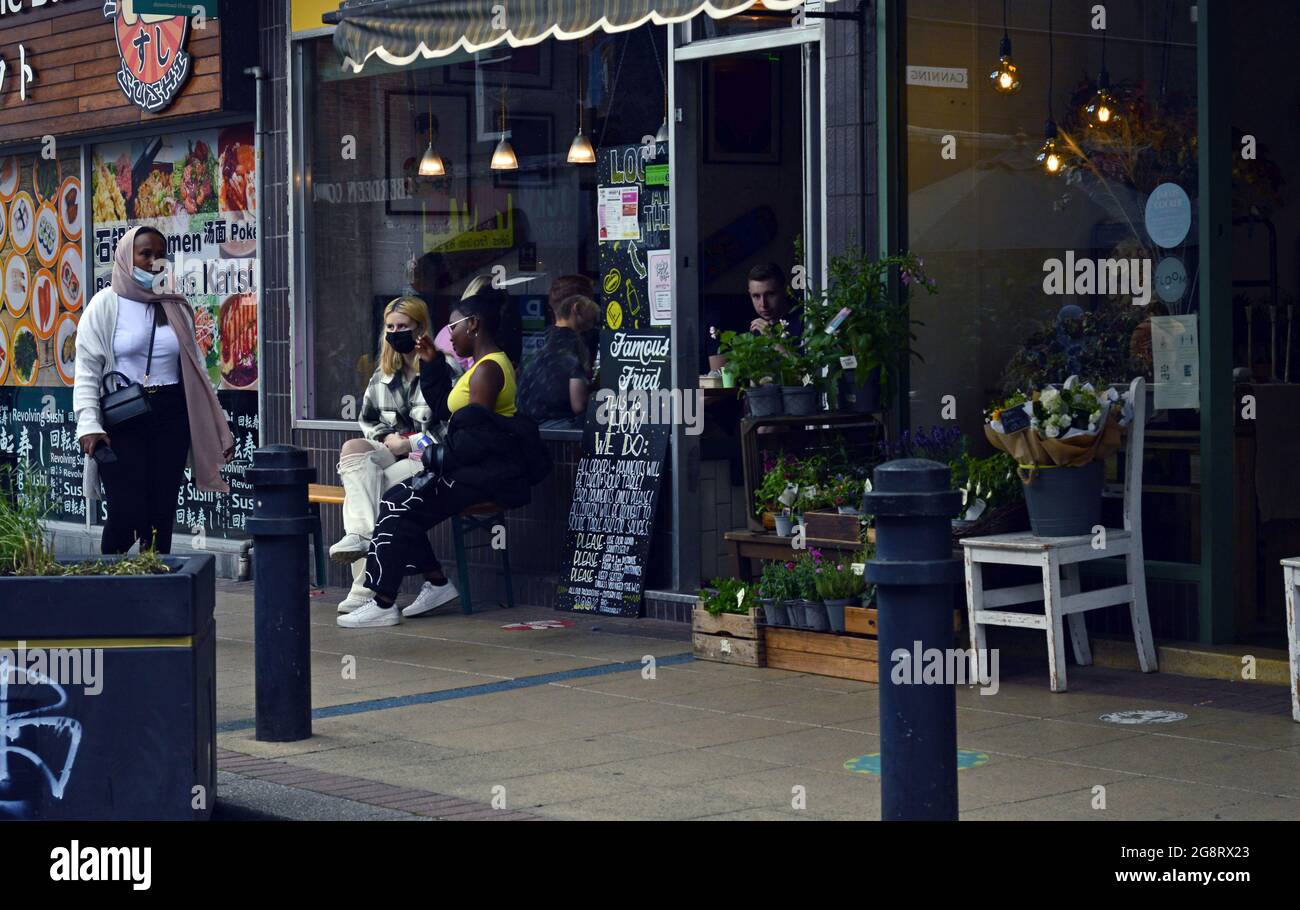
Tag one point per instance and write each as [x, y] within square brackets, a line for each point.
[13, 725]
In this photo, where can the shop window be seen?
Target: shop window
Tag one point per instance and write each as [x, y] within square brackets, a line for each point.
[1074, 265]
[375, 228]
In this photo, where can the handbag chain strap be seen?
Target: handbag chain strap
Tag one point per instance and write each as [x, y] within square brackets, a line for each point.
[153, 328]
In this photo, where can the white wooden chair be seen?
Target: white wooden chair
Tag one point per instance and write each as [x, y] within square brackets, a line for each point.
[1291, 576]
[1059, 558]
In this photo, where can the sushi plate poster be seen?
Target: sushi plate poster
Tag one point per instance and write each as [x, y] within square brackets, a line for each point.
[197, 188]
[41, 268]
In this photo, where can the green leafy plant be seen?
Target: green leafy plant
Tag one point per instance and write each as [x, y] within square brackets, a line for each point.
[753, 357]
[838, 581]
[992, 479]
[24, 547]
[876, 329]
[776, 478]
[728, 595]
[804, 571]
[776, 582]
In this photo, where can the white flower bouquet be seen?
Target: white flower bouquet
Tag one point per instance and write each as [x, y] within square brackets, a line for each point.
[1069, 426]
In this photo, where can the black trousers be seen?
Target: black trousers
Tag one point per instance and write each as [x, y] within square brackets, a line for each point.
[400, 544]
[142, 488]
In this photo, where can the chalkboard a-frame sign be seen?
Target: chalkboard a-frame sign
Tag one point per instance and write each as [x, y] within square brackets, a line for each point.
[616, 490]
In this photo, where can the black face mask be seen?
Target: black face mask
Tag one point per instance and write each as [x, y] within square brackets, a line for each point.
[402, 342]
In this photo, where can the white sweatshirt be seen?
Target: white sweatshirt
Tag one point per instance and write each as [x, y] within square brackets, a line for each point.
[95, 358]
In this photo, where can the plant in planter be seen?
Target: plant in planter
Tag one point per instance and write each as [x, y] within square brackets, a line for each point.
[806, 566]
[146, 741]
[992, 497]
[728, 595]
[776, 589]
[857, 325]
[776, 493]
[754, 359]
[838, 586]
[1060, 439]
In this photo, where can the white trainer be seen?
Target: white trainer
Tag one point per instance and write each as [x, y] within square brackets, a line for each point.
[371, 615]
[351, 548]
[430, 598]
[352, 603]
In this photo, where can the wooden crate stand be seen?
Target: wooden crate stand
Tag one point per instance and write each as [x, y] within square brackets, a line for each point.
[731, 638]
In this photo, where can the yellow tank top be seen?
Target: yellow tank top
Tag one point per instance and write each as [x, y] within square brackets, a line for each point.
[505, 405]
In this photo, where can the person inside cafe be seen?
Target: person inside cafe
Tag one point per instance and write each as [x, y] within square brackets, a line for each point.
[490, 454]
[766, 287]
[554, 389]
[562, 289]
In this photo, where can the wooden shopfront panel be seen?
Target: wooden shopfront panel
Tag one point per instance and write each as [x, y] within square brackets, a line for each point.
[72, 50]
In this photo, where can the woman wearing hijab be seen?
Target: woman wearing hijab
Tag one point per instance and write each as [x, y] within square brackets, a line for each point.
[148, 336]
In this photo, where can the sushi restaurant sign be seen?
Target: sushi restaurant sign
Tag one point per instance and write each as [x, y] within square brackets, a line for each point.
[154, 62]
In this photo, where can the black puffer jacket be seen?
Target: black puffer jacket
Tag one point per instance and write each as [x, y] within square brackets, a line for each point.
[500, 457]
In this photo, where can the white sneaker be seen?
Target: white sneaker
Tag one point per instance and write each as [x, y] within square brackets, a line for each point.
[371, 615]
[352, 603]
[430, 598]
[351, 548]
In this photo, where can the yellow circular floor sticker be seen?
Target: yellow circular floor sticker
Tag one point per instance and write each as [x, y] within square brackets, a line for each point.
[613, 315]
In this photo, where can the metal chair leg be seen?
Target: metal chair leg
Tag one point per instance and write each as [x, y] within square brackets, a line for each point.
[505, 564]
[462, 563]
[318, 545]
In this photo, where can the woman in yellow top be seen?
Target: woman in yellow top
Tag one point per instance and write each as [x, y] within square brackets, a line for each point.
[486, 327]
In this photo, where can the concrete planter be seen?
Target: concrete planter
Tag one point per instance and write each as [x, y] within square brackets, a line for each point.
[118, 721]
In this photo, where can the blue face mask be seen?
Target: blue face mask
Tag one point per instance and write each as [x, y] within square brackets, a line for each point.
[143, 277]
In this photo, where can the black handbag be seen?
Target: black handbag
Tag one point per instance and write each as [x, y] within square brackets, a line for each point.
[128, 401]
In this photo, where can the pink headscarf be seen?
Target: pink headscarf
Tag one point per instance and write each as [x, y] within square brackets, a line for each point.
[210, 435]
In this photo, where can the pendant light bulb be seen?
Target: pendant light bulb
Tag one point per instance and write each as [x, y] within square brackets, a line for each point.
[431, 164]
[1102, 110]
[1006, 78]
[580, 150]
[503, 156]
[1049, 155]
[662, 135]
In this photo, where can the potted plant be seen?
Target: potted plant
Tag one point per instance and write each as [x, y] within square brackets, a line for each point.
[725, 623]
[137, 633]
[806, 567]
[1060, 438]
[728, 595]
[755, 361]
[776, 587]
[868, 595]
[837, 586]
[775, 494]
[859, 329]
[992, 497]
[799, 391]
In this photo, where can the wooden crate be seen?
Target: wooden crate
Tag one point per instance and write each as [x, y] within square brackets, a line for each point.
[731, 638]
[828, 524]
[844, 656]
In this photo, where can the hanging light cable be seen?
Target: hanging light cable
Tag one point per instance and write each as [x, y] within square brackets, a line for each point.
[662, 134]
[580, 150]
[1049, 156]
[431, 164]
[1006, 78]
[1102, 110]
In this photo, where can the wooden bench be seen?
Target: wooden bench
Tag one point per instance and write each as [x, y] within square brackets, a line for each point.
[480, 516]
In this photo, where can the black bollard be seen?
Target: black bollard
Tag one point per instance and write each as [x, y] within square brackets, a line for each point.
[913, 573]
[280, 527]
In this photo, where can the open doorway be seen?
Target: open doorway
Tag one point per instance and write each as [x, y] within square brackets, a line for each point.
[750, 211]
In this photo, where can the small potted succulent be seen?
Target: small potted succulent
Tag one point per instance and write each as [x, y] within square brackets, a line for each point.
[776, 589]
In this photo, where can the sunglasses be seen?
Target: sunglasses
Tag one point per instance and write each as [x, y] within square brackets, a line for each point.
[452, 325]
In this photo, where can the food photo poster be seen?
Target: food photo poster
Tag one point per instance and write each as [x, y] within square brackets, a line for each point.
[198, 190]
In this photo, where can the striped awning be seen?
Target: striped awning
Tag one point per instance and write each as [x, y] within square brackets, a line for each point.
[400, 31]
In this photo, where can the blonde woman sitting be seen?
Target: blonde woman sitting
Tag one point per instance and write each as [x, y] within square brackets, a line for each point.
[396, 411]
